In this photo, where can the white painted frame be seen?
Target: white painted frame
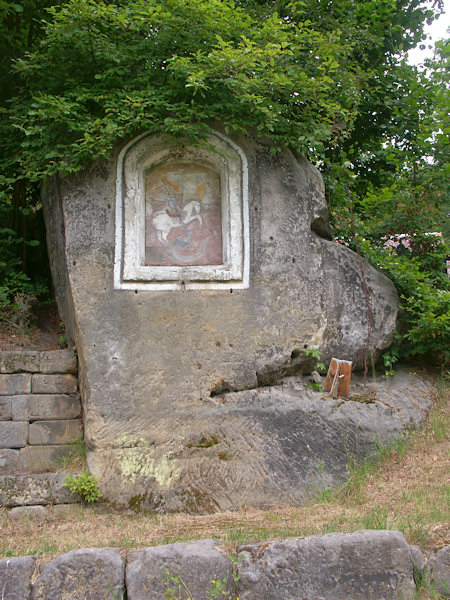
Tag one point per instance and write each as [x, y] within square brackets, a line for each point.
[137, 158]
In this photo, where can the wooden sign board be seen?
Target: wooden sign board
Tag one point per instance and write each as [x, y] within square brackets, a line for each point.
[337, 382]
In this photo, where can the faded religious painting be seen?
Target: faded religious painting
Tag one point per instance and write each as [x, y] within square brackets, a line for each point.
[183, 224]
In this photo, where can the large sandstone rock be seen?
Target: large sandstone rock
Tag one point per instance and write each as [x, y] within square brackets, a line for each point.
[190, 570]
[152, 362]
[86, 574]
[366, 565]
[261, 447]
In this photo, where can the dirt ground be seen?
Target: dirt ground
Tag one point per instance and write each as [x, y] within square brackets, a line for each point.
[45, 333]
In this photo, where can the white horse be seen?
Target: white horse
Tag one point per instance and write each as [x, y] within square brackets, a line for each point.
[164, 223]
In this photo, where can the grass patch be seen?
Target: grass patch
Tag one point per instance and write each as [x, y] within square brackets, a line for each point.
[75, 457]
[404, 487]
[377, 518]
[425, 589]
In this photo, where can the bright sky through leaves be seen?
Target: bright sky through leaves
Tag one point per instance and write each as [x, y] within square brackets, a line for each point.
[438, 30]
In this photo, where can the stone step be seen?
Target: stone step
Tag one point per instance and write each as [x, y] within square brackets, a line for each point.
[32, 489]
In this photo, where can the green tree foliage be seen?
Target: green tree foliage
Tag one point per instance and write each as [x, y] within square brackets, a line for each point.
[407, 194]
[300, 72]
[177, 65]
[23, 265]
[325, 78]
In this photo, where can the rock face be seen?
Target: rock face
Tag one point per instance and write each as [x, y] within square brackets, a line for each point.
[195, 568]
[86, 574]
[439, 565]
[32, 489]
[263, 446]
[155, 363]
[366, 565]
[15, 577]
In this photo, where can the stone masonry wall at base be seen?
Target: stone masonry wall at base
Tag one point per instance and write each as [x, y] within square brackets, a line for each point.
[40, 413]
[366, 565]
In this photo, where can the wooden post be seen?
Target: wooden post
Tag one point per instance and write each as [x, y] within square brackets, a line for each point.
[337, 382]
[329, 385]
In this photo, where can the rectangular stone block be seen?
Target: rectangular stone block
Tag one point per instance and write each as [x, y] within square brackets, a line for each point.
[15, 384]
[15, 577]
[87, 573]
[20, 408]
[364, 565]
[54, 384]
[38, 459]
[14, 361]
[29, 490]
[199, 564]
[41, 407]
[9, 461]
[13, 435]
[44, 433]
[5, 408]
[58, 361]
[27, 512]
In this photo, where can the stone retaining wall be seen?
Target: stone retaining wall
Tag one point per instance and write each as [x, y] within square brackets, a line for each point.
[366, 565]
[40, 412]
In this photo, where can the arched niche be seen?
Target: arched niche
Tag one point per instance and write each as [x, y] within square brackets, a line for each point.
[181, 215]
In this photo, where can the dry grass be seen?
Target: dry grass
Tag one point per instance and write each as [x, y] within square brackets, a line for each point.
[407, 490]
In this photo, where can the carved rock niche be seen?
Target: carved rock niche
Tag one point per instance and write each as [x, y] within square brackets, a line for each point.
[191, 281]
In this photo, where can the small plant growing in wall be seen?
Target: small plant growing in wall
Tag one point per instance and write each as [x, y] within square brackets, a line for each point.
[85, 485]
[175, 588]
[316, 354]
[62, 338]
[389, 358]
[75, 457]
